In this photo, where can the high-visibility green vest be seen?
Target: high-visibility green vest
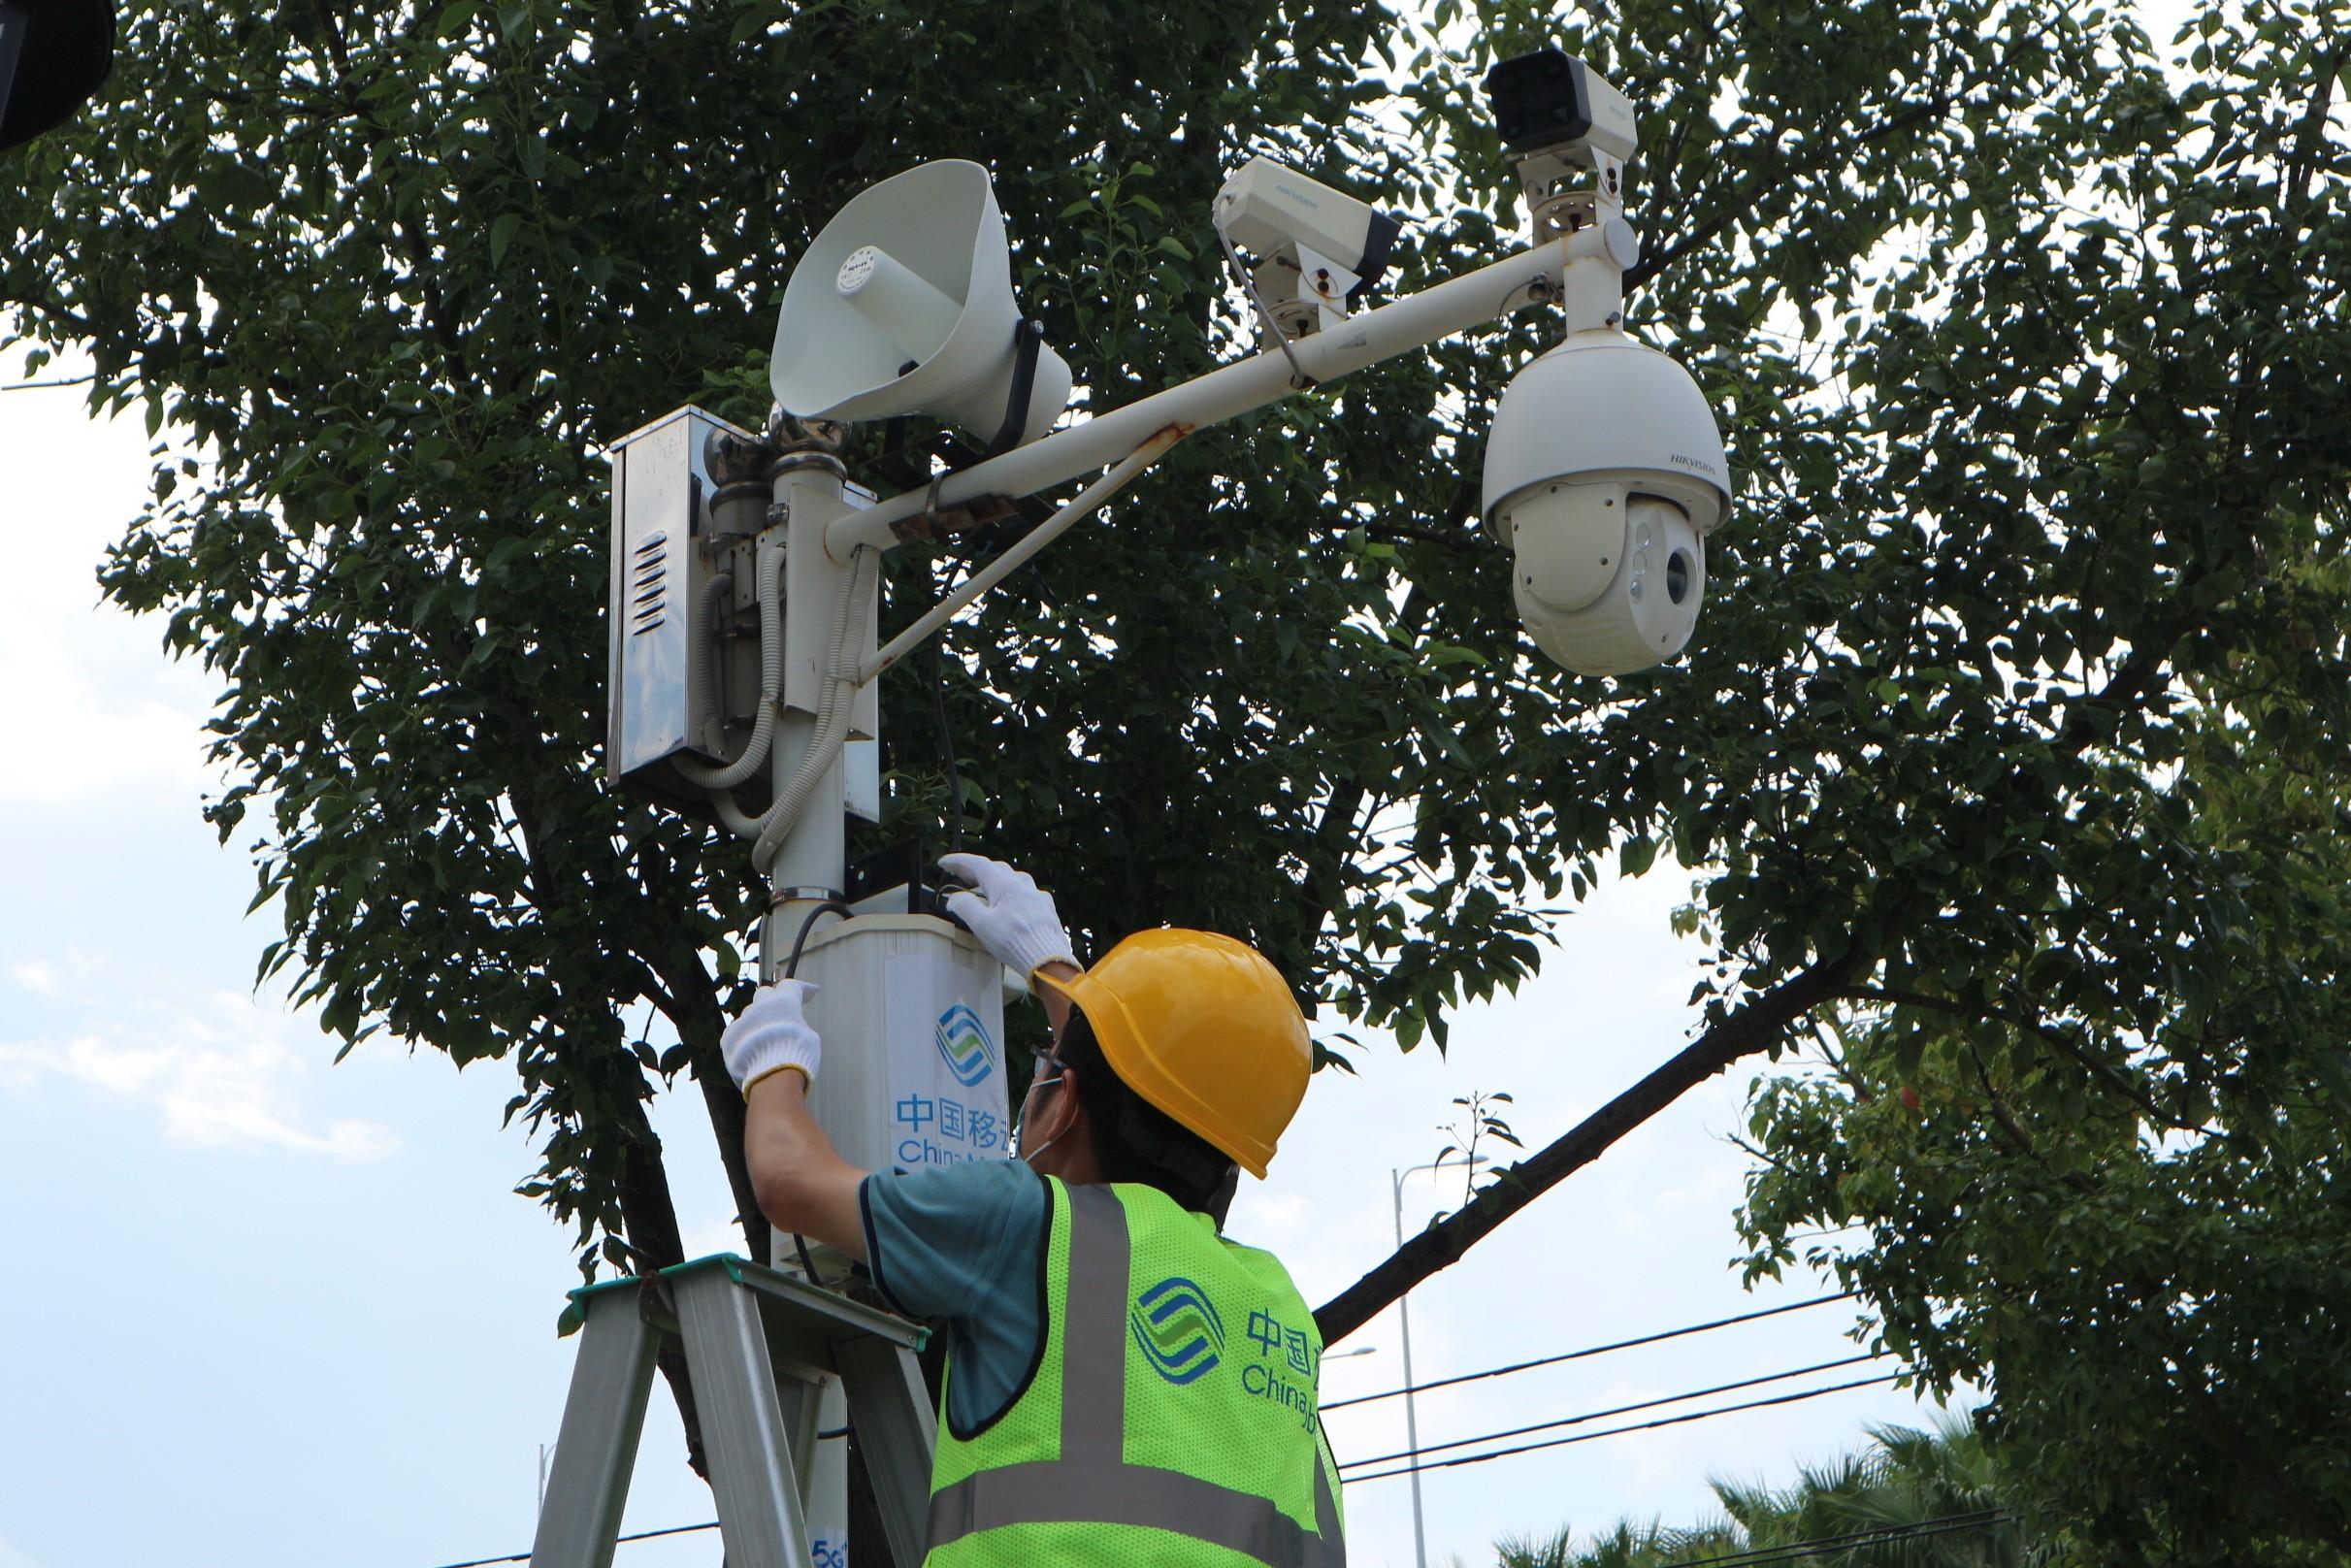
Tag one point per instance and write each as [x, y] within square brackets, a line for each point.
[1171, 1420]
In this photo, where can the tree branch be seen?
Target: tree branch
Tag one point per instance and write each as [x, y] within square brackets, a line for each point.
[1740, 204]
[2296, 193]
[1324, 886]
[699, 1025]
[1467, 542]
[1747, 1032]
[2015, 1131]
[2034, 1027]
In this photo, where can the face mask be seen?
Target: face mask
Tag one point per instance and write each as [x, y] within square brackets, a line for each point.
[1029, 1155]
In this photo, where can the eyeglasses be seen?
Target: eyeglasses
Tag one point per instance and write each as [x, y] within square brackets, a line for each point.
[1047, 1063]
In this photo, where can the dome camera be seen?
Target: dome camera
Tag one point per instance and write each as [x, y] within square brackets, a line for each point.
[1604, 474]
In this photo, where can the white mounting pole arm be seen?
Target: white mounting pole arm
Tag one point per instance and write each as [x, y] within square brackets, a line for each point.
[1011, 561]
[1398, 327]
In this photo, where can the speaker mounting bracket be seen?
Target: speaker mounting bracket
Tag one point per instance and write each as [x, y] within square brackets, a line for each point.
[1027, 337]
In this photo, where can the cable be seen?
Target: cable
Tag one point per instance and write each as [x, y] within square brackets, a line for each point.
[1621, 1410]
[641, 1535]
[1619, 1431]
[1982, 1519]
[834, 709]
[807, 925]
[955, 780]
[1596, 1349]
[799, 1241]
[719, 781]
[1299, 380]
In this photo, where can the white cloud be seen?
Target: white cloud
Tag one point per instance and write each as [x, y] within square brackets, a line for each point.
[712, 1236]
[37, 975]
[1258, 1213]
[103, 708]
[223, 1072]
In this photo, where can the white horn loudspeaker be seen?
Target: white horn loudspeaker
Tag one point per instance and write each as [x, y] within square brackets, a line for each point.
[903, 305]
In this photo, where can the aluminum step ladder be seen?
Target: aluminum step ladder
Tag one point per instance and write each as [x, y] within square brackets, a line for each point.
[761, 1346]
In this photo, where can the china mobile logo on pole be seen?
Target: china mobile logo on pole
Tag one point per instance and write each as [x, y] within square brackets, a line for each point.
[964, 1044]
[1178, 1329]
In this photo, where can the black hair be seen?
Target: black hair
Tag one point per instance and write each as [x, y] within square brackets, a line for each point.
[1134, 1140]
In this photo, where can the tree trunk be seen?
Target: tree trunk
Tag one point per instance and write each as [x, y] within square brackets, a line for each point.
[1747, 1033]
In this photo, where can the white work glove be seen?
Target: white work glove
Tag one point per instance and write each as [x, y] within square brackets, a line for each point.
[771, 1034]
[1013, 917]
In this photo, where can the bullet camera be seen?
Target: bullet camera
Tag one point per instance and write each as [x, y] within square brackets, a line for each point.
[1604, 474]
[1266, 204]
[1318, 248]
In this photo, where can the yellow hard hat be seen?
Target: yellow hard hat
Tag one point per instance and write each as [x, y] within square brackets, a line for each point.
[1202, 1027]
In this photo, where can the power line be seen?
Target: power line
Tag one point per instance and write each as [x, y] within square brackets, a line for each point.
[1498, 1454]
[1983, 1518]
[1619, 1431]
[1472, 1377]
[1603, 1414]
[1980, 1519]
[1596, 1349]
[641, 1535]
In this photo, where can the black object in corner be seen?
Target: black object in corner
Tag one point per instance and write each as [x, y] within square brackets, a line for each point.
[52, 56]
[1539, 100]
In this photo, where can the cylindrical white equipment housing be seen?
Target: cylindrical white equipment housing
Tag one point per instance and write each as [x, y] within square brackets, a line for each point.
[911, 1011]
[905, 308]
[1603, 407]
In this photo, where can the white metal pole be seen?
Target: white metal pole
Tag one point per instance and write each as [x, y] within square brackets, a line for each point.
[1417, 319]
[1412, 1424]
[811, 861]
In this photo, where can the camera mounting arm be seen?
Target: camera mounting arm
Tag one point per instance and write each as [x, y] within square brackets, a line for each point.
[1530, 276]
[1569, 133]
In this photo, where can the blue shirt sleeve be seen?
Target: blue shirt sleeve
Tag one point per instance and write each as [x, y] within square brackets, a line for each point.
[965, 1244]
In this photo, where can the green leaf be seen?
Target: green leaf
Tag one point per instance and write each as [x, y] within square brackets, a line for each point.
[1636, 856]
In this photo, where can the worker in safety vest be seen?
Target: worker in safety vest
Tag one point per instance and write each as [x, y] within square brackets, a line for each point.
[1124, 1385]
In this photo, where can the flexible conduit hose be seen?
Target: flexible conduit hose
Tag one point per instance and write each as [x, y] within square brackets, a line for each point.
[703, 662]
[834, 709]
[736, 821]
[766, 574]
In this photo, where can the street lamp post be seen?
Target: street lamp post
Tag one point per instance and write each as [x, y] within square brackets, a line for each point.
[1412, 1425]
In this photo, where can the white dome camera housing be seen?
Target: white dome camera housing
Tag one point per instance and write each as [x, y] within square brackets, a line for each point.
[1604, 474]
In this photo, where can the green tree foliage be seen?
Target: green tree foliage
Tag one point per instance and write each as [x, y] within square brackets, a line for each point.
[1912, 1499]
[2089, 1115]
[2010, 744]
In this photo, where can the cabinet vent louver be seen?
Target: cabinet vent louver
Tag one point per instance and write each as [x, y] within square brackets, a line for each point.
[649, 584]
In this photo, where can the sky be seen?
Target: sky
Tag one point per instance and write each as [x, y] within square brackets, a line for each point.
[272, 1310]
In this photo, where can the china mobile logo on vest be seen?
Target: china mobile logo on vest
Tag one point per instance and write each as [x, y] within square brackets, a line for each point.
[1177, 1330]
[963, 1041]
